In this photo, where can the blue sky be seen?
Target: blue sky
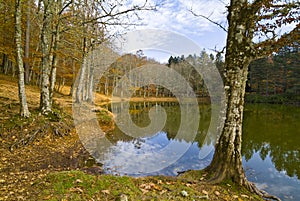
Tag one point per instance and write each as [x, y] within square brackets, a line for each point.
[175, 16]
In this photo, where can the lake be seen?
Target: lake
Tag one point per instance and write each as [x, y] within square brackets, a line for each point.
[271, 151]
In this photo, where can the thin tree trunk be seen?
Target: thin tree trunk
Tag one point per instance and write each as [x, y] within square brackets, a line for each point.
[3, 58]
[45, 105]
[55, 41]
[79, 88]
[27, 44]
[53, 59]
[21, 83]
[90, 96]
[5, 64]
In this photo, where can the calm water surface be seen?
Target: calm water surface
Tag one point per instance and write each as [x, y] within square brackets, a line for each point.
[271, 146]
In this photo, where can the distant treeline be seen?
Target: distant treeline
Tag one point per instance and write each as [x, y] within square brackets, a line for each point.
[275, 79]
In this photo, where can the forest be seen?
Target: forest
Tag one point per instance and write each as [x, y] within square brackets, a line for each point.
[52, 105]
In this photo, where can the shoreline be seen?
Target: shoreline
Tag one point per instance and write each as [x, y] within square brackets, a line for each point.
[150, 99]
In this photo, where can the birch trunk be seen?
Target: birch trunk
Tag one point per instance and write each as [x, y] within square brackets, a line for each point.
[45, 104]
[27, 44]
[90, 87]
[18, 37]
[79, 88]
[55, 40]
[53, 60]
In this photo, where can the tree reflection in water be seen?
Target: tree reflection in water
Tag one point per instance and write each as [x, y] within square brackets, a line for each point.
[271, 149]
[270, 146]
[273, 131]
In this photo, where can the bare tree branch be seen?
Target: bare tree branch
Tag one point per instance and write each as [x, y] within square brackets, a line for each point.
[210, 20]
[65, 7]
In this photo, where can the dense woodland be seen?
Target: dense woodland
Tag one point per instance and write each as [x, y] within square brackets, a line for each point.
[275, 79]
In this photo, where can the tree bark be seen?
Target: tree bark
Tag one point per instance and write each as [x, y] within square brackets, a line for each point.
[90, 81]
[45, 105]
[80, 85]
[18, 38]
[227, 160]
[27, 44]
[53, 59]
[53, 54]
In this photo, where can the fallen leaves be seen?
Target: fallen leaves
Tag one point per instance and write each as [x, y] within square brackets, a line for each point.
[217, 193]
[106, 192]
[149, 186]
[77, 181]
[76, 189]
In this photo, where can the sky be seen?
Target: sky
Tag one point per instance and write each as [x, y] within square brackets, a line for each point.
[175, 16]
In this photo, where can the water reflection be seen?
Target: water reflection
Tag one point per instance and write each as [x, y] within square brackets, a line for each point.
[140, 116]
[271, 148]
[136, 157]
[160, 151]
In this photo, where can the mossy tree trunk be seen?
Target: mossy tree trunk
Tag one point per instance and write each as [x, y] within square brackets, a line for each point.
[227, 161]
[243, 18]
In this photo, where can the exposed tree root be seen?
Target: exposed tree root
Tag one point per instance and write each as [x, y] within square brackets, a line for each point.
[245, 183]
[57, 129]
[253, 189]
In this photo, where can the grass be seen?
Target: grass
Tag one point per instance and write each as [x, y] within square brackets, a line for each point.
[77, 185]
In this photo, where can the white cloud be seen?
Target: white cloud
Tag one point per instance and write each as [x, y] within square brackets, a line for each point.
[175, 16]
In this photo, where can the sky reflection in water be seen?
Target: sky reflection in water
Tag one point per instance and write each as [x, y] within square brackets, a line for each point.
[270, 149]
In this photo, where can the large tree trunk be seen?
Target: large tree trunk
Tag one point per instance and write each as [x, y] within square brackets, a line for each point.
[21, 83]
[227, 160]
